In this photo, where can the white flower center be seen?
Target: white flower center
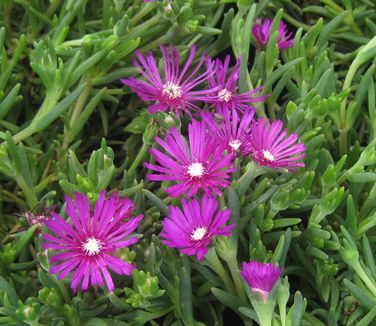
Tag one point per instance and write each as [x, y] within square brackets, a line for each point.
[171, 90]
[235, 144]
[198, 234]
[196, 170]
[92, 246]
[224, 95]
[268, 156]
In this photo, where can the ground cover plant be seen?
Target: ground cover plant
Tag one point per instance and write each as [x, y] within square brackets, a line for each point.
[187, 162]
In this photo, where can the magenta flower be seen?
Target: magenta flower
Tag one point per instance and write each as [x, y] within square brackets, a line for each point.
[88, 241]
[268, 146]
[261, 31]
[261, 277]
[202, 164]
[192, 229]
[226, 98]
[174, 91]
[233, 129]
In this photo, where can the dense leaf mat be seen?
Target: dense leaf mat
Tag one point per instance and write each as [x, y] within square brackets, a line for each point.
[93, 173]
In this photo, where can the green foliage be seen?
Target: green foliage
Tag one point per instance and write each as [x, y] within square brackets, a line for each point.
[145, 288]
[68, 125]
[98, 175]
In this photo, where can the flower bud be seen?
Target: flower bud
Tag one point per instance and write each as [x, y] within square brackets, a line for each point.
[50, 297]
[261, 277]
[28, 312]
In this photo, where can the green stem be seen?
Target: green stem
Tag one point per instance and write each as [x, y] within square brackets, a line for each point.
[349, 17]
[368, 204]
[49, 103]
[170, 35]
[264, 313]
[154, 209]
[139, 158]
[76, 112]
[29, 194]
[141, 154]
[45, 181]
[234, 270]
[24, 133]
[365, 53]
[296, 23]
[271, 111]
[143, 12]
[333, 5]
[80, 103]
[343, 141]
[242, 184]
[217, 266]
[132, 190]
[354, 26]
[8, 196]
[64, 291]
[359, 270]
[137, 31]
[47, 106]
[52, 8]
[7, 7]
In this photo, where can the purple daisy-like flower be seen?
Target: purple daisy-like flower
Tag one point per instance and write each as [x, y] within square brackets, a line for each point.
[89, 240]
[268, 146]
[233, 129]
[193, 229]
[261, 30]
[201, 164]
[174, 91]
[226, 98]
[261, 277]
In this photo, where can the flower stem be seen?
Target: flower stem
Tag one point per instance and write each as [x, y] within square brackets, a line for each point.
[234, 269]
[264, 313]
[359, 270]
[217, 266]
[76, 112]
[52, 8]
[242, 184]
[64, 291]
[141, 28]
[170, 35]
[29, 192]
[334, 6]
[295, 22]
[343, 141]
[148, 139]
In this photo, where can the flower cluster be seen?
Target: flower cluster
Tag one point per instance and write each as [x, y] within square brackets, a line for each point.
[203, 163]
[199, 165]
[176, 89]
